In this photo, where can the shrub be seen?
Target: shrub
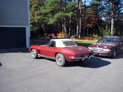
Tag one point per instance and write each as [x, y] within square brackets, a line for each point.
[105, 31]
[61, 35]
[52, 35]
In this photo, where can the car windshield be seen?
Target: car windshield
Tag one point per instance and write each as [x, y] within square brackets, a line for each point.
[69, 43]
[108, 40]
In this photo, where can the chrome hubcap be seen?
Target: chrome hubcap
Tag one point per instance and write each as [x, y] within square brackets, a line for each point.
[33, 53]
[59, 60]
[114, 53]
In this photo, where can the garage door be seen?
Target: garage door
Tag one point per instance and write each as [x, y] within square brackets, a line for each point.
[12, 38]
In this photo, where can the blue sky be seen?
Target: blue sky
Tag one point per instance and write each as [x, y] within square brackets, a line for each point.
[87, 1]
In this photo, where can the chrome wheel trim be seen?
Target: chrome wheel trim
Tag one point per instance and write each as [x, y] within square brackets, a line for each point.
[114, 53]
[59, 60]
[33, 53]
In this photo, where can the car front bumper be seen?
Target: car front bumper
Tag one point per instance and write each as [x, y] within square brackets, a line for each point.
[81, 58]
[109, 53]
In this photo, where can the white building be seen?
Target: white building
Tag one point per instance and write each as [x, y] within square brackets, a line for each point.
[14, 24]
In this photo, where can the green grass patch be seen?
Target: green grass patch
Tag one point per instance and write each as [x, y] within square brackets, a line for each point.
[84, 43]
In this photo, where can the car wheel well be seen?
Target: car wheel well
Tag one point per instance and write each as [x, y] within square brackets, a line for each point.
[57, 53]
[115, 49]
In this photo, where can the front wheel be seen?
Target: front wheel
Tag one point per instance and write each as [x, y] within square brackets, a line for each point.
[34, 54]
[60, 59]
[114, 53]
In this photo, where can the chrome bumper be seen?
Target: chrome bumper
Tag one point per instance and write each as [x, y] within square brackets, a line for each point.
[82, 58]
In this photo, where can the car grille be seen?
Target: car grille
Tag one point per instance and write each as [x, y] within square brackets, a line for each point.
[97, 49]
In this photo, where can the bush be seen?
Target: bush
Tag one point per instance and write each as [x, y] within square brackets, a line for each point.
[52, 35]
[62, 35]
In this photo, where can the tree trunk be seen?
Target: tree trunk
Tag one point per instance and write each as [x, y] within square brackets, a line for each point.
[70, 26]
[112, 17]
[63, 26]
[65, 29]
[84, 19]
[91, 33]
[80, 19]
[58, 26]
[77, 30]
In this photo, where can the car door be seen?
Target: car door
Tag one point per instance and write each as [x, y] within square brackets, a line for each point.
[49, 49]
[121, 44]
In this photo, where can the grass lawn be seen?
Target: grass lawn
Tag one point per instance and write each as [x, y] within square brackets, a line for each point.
[84, 43]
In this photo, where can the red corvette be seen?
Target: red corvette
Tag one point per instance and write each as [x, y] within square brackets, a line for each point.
[62, 50]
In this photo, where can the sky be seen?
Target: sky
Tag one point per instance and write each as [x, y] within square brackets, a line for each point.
[87, 2]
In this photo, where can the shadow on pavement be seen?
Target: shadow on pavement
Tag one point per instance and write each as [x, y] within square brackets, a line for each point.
[91, 63]
[22, 50]
[0, 64]
[119, 55]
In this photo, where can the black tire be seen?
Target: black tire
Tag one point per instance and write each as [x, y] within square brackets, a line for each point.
[60, 60]
[114, 53]
[34, 54]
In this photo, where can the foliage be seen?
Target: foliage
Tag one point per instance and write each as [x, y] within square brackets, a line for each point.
[105, 31]
[44, 14]
[51, 16]
[92, 15]
[61, 35]
[111, 10]
[52, 35]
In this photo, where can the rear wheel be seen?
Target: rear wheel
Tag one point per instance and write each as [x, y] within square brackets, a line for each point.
[60, 59]
[34, 54]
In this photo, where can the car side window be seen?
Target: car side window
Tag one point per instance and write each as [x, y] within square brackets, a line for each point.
[122, 39]
[52, 44]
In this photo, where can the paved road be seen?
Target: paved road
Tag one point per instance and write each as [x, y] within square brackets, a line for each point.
[20, 73]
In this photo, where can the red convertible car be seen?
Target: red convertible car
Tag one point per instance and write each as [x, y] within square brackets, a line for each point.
[108, 46]
[62, 50]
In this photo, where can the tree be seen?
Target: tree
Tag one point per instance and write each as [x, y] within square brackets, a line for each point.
[92, 16]
[111, 10]
[49, 13]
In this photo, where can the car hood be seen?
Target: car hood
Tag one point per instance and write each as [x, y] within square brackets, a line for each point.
[103, 45]
[79, 50]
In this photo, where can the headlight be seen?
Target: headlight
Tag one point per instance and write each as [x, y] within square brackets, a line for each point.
[89, 47]
[106, 50]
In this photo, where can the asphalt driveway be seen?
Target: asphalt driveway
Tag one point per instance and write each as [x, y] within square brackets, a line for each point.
[20, 73]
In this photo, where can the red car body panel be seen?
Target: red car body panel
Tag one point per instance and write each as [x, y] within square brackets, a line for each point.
[103, 45]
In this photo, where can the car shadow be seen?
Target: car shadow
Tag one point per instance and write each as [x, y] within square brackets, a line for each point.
[15, 50]
[119, 55]
[0, 64]
[94, 62]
